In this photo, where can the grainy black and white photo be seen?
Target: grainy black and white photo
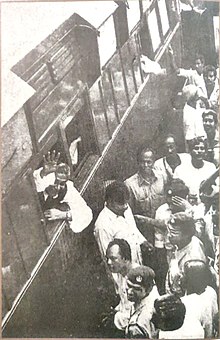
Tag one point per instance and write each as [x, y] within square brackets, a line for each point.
[110, 169]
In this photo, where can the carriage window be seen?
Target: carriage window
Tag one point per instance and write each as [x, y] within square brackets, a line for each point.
[154, 30]
[133, 14]
[107, 40]
[163, 16]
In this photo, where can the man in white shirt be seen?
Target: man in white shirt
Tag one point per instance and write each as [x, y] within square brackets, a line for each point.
[118, 255]
[212, 86]
[59, 199]
[116, 220]
[197, 170]
[167, 164]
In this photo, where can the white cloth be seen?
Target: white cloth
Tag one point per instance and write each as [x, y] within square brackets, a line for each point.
[161, 239]
[194, 78]
[192, 176]
[198, 322]
[192, 122]
[109, 226]
[140, 320]
[81, 212]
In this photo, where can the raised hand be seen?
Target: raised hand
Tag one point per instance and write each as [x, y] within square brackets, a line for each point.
[181, 202]
[50, 162]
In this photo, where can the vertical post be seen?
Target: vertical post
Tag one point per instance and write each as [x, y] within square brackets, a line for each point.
[132, 69]
[138, 58]
[104, 109]
[124, 77]
[31, 128]
[113, 94]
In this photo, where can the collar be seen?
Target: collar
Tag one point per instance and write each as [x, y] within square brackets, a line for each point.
[142, 180]
[111, 214]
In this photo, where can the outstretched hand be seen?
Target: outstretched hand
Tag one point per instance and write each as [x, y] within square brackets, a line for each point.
[50, 162]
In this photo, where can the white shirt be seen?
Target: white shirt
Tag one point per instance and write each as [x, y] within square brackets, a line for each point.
[192, 176]
[81, 212]
[194, 78]
[161, 239]
[109, 226]
[160, 167]
[192, 122]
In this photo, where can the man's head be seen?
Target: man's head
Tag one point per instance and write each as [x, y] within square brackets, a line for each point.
[197, 148]
[176, 188]
[181, 228]
[117, 197]
[199, 63]
[210, 121]
[145, 159]
[140, 281]
[169, 312]
[209, 74]
[62, 173]
[118, 255]
[196, 276]
[170, 146]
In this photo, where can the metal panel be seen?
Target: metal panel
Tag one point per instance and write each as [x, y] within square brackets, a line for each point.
[14, 273]
[26, 216]
[16, 147]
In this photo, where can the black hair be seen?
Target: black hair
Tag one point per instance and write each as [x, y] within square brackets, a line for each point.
[142, 149]
[209, 68]
[196, 276]
[117, 192]
[185, 221]
[211, 113]
[195, 141]
[125, 249]
[169, 312]
[176, 188]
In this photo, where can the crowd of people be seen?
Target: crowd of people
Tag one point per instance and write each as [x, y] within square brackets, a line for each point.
[158, 232]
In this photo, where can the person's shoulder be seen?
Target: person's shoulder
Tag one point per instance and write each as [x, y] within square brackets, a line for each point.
[158, 163]
[185, 157]
[102, 218]
[210, 166]
[132, 179]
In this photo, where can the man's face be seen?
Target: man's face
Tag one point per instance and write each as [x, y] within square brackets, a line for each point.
[210, 77]
[170, 146]
[118, 208]
[60, 180]
[208, 123]
[176, 234]
[114, 259]
[199, 66]
[146, 163]
[198, 151]
[135, 293]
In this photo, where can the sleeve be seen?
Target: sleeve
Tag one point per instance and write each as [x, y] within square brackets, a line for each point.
[42, 182]
[185, 73]
[81, 212]
[132, 197]
[103, 238]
